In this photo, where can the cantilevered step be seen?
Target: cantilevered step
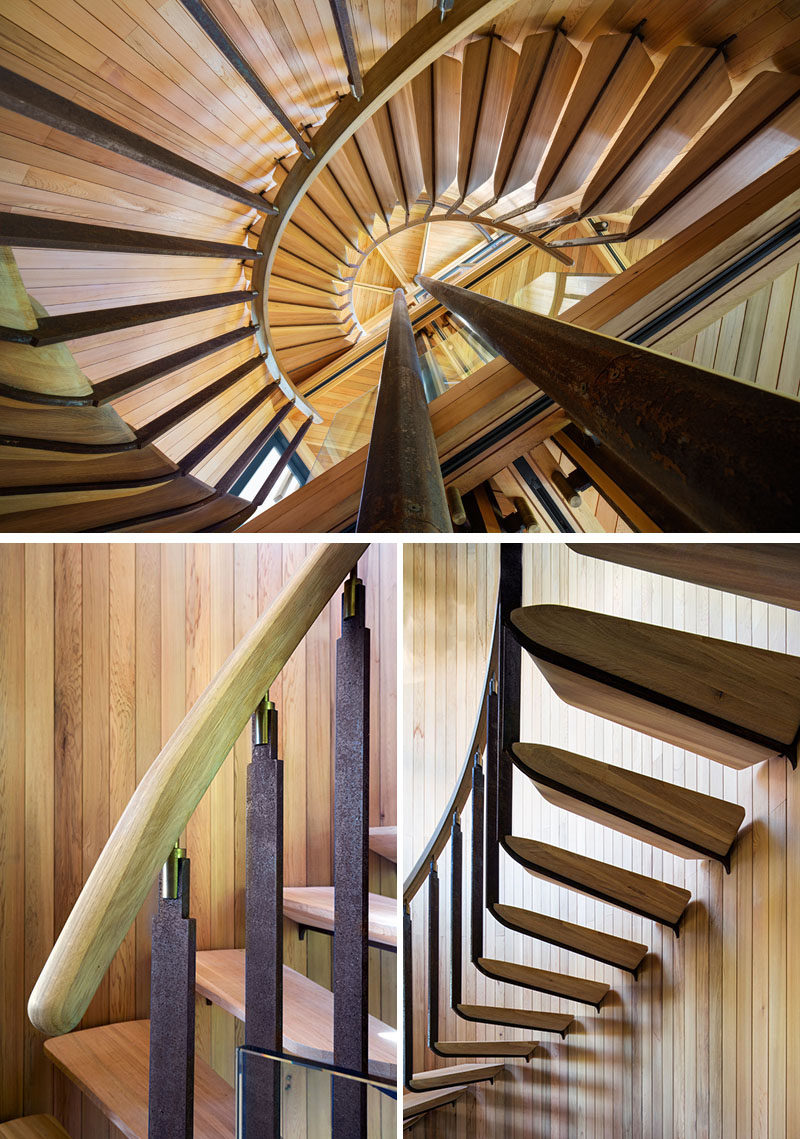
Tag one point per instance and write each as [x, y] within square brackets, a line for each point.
[383, 841]
[733, 703]
[521, 1048]
[543, 981]
[458, 1074]
[111, 1066]
[312, 907]
[415, 1103]
[307, 1009]
[684, 822]
[517, 1017]
[767, 571]
[33, 1127]
[594, 943]
[648, 897]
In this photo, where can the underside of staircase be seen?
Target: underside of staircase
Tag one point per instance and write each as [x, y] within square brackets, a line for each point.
[203, 233]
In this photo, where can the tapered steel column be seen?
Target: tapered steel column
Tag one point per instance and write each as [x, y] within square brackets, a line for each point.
[403, 489]
[263, 1026]
[170, 1112]
[351, 864]
[722, 450]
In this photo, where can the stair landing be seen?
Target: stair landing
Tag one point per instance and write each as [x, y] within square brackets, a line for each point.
[307, 1010]
[110, 1065]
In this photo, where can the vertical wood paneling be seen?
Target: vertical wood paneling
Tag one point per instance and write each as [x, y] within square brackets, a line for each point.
[104, 647]
[705, 1043]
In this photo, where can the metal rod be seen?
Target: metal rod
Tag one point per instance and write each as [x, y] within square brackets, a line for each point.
[172, 980]
[129, 381]
[492, 842]
[433, 956]
[237, 468]
[456, 915]
[282, 463]
[408, 999]
[344, 29]
[155, 427]
[35, 102]
[723, 451]
[219, 38]
[509, 599]
[263, 1026]
[22, 232]
[74, 325]
[476, 882]
[351, 862]
[403, 489]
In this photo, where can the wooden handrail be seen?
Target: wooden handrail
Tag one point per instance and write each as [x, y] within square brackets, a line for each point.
[164, 801]
[440, 837]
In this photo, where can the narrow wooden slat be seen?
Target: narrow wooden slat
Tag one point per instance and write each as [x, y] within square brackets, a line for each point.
[728, 687]
[155, 427]
[487, 80]
[223, 429]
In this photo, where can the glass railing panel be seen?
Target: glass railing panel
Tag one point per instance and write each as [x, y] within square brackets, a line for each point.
[307, 1090]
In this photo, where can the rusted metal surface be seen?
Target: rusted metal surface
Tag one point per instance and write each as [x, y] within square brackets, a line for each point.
[282, 463]
[172, 977]
[408, 998]
[35, 102]
[456, 913]
[403, 490]
[344, 29]
[433, 955]
[725, 452]
[351, 864]
[263, 1026]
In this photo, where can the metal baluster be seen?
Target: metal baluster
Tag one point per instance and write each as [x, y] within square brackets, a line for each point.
[408, 998]
[510, 598]
[476, 894]
[172, 978]
[456, 916]
[433, 955]
[264, 925]
[351, 863]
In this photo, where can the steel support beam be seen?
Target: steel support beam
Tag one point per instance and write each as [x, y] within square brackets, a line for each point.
[22, 232]
[237, 468]
[351, 863]
[263, 1026]
[722, 450]
[172, 980]
[403, 489]
[282, 463]
[220, 39]
[75, 325]
[35, 102]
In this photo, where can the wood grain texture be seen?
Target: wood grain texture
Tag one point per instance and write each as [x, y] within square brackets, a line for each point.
[702, 1042]
[749, 688]
[416, 1102]
[33, 1127]
[458, 1074]
[314, 906]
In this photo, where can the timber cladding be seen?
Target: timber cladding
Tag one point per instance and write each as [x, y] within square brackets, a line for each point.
[104, 649]
[704, 1043]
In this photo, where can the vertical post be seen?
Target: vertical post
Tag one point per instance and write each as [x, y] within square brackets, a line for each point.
[433, 955]
[408, 998]
[263, 925]
[351, 862]
[492, 781]
[476, 894]
[172, 978]
[510, 598]
[456, 916]
[403, 488]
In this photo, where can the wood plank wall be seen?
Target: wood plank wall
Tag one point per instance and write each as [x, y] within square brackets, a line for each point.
[104, 648]
[706, 1043]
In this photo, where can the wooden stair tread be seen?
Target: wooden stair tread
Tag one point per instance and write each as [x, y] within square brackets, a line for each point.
[677, 819]
[383, 840]
[313, 906]
[307, 1008]
[416, 1102]
[33, 1127]
[580, 939]
[458, 1074]
[523, 1048]
[767, 571]
[753, 690]
[517, 1017]
[110, 1065]
[543, 981]
[660, 901]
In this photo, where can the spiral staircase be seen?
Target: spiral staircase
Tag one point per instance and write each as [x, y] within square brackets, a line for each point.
[203, 232]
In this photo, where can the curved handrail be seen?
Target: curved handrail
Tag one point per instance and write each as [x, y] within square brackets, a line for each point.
[429, 38]
[440, 837]
[176, 781]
